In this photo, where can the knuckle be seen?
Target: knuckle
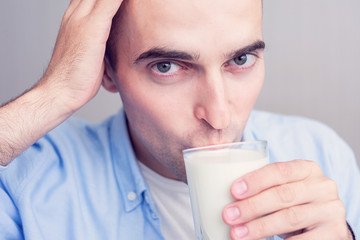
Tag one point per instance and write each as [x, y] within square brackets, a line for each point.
[67, 14]
[285, 170]
[252, 207]
[338, 208]
[293, 217]
[285, 194]
[253, 176]
[315, 167]
[69, 10]
[331, 186]
[258, 229]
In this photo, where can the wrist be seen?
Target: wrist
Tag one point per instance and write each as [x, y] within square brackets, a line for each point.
[50, 103]
[22, 122]
[66, 94]
[60, 99]
[28, 118]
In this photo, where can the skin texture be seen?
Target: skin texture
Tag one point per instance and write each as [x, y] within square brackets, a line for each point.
[72, 78]
[207, 100]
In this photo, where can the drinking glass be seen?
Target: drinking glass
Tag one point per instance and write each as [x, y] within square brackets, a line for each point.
[210, 172]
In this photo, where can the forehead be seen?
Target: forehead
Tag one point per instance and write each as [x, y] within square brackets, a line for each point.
[191, 24]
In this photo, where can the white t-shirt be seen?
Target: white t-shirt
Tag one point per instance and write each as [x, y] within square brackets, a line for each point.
[172, 202]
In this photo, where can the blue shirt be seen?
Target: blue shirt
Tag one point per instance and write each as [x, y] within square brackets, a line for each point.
[82, 181]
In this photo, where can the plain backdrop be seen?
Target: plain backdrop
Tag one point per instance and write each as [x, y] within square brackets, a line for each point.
[312, 59]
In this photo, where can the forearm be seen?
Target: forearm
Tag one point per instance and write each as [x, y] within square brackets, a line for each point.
[73, 77]
[27, 118]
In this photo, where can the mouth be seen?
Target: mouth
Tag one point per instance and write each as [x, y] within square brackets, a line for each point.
[216, 137]
[210, 142]
[219, 137]
[213, 137]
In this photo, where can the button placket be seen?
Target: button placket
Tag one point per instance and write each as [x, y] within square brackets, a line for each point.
[131, 196]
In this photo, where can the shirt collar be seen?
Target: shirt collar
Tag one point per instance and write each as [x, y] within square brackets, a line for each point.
[248, 133]
[129, 178]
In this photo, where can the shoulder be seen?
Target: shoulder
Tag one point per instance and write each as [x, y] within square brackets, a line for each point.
[266, 119]
[289, 126]
[54, 156]
[75, 129]
[295, 137]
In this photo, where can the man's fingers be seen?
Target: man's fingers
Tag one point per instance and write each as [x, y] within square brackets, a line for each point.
[101, 8]
[284, 198]
[340, 231]
[281, 197]
[98, 10]
[74, 3]
[106, 8]
[291, 220]
[80, 8]
[273, 175]
[71, 8]
[84, 7]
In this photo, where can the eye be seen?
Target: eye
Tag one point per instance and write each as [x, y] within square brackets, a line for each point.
[245, 60]
[165, 68]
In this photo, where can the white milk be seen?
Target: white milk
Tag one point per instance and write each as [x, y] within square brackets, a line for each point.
[210, 175]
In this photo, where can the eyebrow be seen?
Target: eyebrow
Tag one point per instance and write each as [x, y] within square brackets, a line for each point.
[159, 52]
[257, 45]
[162, 52]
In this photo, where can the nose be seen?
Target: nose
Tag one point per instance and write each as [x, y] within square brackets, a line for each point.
[213, 105]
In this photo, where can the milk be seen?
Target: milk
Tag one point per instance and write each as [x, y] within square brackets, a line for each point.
[210, 175]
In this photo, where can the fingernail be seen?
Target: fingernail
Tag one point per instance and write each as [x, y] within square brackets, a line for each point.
[239, 188]
[240, 231]
[232, 213]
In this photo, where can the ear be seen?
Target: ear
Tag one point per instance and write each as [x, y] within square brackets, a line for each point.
[109, 77]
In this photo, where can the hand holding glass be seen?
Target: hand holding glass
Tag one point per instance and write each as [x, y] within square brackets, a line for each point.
[210, 172]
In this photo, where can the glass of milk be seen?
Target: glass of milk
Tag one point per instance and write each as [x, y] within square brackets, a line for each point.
[210, 172]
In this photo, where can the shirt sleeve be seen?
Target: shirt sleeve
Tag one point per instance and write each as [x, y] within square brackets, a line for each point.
[10, 223]
[15, 174]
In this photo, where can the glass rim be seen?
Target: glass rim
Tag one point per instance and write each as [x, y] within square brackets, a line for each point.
[222, 146]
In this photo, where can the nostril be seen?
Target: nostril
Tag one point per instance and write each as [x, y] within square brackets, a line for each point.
[200, 113]
[215, 118]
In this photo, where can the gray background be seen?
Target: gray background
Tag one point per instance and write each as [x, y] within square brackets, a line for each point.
[312, 59]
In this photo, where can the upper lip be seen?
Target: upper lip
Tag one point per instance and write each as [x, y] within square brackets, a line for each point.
[216, 137]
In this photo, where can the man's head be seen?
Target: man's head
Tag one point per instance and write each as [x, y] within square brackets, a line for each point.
[188, 72]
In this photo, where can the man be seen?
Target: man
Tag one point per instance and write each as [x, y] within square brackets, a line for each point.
[189, 73]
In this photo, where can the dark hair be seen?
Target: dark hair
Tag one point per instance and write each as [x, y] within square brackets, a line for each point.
[111, 44]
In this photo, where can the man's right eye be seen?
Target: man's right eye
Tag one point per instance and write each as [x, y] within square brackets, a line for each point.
[165, 68]
[245, 60]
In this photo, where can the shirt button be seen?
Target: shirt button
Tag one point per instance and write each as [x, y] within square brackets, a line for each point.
[131, 196]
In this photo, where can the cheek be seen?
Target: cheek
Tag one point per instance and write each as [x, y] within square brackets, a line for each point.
[247, 90]
[153, 110]
[162, 113]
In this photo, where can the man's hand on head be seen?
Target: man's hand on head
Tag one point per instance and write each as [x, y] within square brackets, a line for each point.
[73, 77]
[291, 199]
[77, 65]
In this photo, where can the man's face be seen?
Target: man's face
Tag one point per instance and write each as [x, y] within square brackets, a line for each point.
[189, 73]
